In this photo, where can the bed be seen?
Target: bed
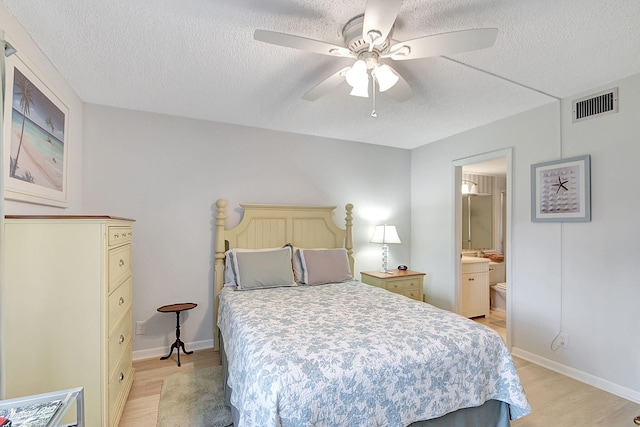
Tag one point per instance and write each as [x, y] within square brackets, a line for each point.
[333, 351]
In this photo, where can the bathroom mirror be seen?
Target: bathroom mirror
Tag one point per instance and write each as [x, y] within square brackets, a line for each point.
[477, 221]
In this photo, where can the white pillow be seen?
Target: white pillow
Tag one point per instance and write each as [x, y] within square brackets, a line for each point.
[229, 275]
[297, 264]
[229, 272]
[321, 266]
[229, 269]
[261, 268]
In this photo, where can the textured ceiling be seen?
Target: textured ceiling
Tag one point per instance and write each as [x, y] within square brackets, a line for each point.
[198, 59]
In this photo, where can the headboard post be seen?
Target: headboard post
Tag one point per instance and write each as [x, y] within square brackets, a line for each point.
[219, 248]
[348, 244]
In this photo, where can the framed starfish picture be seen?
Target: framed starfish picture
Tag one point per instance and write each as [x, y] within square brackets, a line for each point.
[561, 190]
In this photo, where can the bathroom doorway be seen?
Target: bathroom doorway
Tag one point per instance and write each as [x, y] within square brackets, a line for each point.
[482, 194]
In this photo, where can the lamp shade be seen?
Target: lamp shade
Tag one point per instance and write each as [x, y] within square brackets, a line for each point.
[357, 74]
[469, 187]
[362, 90]
[386, 77]
[385, 234]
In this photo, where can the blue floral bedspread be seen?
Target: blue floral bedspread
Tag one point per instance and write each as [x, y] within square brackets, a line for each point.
[350, 354]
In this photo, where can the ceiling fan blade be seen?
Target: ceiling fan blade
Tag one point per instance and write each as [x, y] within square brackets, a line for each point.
[443, 44]
[303, 43]
[401, 91]
[326, 85]
[379, 16]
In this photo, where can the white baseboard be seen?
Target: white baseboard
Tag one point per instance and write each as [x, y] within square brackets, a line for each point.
[584, 377]
[162, 351]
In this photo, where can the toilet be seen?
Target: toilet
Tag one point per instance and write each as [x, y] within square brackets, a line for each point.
[499, 296]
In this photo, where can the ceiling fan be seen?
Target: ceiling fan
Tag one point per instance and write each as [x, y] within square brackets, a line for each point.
[368, 40]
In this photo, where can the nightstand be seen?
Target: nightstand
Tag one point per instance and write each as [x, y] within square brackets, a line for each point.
[407, 282]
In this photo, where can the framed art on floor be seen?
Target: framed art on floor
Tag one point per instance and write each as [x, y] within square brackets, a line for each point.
[35, 138]
[561, 190]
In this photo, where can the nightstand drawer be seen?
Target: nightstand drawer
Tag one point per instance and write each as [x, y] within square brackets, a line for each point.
[407, 283]
[403, 285]
[415, 294]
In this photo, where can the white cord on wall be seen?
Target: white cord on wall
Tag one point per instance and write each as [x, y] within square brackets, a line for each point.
[560, 339]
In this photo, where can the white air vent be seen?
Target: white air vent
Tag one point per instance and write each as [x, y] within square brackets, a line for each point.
[605, 102]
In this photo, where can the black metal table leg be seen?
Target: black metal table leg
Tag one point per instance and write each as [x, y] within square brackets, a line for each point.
[178, 344]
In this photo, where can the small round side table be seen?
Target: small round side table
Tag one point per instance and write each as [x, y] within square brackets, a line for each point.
[177, 308]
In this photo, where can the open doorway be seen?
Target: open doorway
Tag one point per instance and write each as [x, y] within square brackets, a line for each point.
[482, 193]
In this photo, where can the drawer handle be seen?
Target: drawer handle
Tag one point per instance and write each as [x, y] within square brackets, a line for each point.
[121, 377]
[116, 235]
[121, 263]
[121, 301]
[471, 279]
[121, 340]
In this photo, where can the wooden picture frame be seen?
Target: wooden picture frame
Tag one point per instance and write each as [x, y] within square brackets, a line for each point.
[36, 128]
[561, 190]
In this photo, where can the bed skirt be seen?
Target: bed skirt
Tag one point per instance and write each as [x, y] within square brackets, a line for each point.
[493, 413]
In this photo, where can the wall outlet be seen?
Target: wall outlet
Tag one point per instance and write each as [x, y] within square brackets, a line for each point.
[563, 340]
[141, 328]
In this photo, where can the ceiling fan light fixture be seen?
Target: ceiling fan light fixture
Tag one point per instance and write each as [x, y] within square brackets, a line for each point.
[357, 75]
[361, 90]
[385, 76]
[368, 38]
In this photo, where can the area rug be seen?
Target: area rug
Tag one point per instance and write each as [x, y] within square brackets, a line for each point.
[194, 399]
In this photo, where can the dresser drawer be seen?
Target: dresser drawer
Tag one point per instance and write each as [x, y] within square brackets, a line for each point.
[118, 235]
[119, 303]
[403, 285]
[119, 341]
[119, 266]
[119, 382]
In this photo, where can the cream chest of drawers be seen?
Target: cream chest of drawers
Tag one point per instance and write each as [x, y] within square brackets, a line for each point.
[66, 310]
[475, 287]
[407, 282]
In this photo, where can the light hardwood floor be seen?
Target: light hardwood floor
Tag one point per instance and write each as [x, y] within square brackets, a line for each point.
[141, 409]
[557, 401]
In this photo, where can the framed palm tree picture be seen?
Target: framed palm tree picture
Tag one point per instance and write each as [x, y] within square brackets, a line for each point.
[35, 137]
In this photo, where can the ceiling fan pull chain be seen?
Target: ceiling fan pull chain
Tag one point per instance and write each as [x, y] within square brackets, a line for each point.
[373, 110]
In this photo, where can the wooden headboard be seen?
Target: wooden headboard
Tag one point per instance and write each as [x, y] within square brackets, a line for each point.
[272, 226]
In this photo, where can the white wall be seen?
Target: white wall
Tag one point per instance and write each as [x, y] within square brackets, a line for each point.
[31, 55]
[574, 276]
[167, 172]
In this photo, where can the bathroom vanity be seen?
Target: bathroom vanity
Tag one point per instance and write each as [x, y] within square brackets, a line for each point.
[474, 287]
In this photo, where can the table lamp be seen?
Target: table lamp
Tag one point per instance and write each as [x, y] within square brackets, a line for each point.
[385, 234]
